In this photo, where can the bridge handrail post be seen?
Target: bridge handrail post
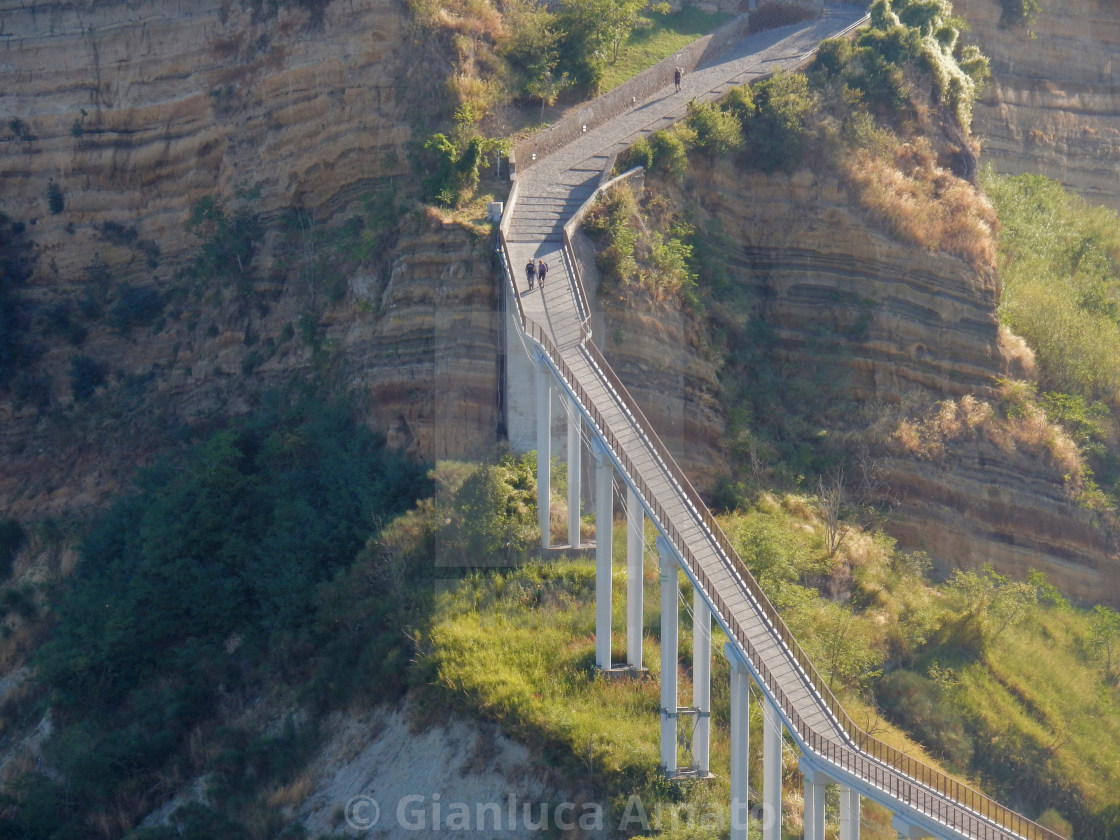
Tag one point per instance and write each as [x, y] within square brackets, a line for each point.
[900, 772]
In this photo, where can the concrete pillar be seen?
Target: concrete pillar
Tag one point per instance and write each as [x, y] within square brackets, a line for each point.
[574, 446]
[635, 566]
[604, 516]
[701, 681]
[740, 743]
[814, 801]
[669, 590]
[771, 772]
[849, 813]
[906, 829]
[544, 448]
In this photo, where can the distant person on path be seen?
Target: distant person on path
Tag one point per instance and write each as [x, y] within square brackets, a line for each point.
[530, 274]
[542, 270]
[678, 73]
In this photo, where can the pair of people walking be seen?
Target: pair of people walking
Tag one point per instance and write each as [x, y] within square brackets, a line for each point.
[535, 272]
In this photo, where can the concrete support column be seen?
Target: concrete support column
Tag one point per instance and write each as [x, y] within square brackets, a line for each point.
[906, 829]
[740, 743]
[604, 516]
[635, 567]
[771, 772]
[544, 448]
[814, 801]
[669, 590]
[849, 813]
[701, 681]
[574, 447]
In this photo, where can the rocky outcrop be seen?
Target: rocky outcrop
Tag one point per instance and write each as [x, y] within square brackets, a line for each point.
[136, 110]
[908, 318]
[131, 113]
[666, 366]
[984, 503]
[884, 324]
[1053, 107]
[417, 342]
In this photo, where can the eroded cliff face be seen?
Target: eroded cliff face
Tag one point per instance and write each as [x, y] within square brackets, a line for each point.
[136, 111]
[895, 331]
[418, 344]
[667, 367]
[1053, 107]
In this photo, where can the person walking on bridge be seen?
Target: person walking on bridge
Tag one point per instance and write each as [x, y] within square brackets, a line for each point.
[678, 73]
[542, 270]
[531, 273]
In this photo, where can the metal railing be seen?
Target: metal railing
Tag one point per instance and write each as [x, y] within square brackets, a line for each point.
[906, 779]
[570, 252]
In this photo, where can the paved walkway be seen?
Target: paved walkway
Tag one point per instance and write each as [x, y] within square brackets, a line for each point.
[549, 192]
[552, 189]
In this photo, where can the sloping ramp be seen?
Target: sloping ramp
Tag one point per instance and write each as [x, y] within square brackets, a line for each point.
[555, 319]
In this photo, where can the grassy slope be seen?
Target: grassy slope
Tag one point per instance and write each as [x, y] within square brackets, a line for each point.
[669, 32]
[517, 646]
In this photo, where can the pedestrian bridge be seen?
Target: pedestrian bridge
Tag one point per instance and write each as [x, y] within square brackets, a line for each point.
[557, 176]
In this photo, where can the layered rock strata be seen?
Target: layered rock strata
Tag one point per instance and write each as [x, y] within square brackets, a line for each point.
[903, 324]
[130, 113]
[1053, 107]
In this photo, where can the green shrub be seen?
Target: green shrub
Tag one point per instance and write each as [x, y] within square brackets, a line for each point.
[832, 58]
[86, 376]
[1018, 12]
[56, 201]
[228, 239]
[918, 704]
[717, 132]
[449, 167]
[923, 33]
[12, 538]
[135, 306]
[492, 519]
[669, 152]
[610, 222]
[776, 136]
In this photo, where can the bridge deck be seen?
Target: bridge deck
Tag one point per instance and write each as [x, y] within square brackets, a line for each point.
[549, 193]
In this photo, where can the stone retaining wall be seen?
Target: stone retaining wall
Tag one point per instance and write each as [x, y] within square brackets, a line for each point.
[621, 99]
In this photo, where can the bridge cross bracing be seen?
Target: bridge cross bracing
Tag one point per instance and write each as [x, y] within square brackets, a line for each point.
[554, 321]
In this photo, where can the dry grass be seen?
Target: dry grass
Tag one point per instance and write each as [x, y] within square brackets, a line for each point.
[1017, 357]
[291, 795]
[1021, 426]
[474, 18]
[922, 202]
[926, 436]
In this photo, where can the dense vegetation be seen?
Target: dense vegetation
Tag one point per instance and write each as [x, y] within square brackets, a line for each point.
[960, 668]
[527, 53]
[1059, 261]
[262, 555]
[16, 262]
[956, 665]
[203, 585]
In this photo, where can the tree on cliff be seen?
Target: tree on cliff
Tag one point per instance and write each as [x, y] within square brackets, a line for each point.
[905, 40]
[591, 29]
